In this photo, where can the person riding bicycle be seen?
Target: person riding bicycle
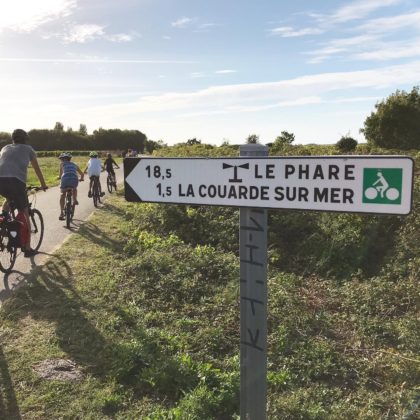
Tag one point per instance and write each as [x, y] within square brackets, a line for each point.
[69, 180]
[14, 162]
[109, 165]
[381, 184]
[94, 169]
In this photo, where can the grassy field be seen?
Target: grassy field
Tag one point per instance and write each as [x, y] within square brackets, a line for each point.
[50, 168]
[143, 299]
[151, 319]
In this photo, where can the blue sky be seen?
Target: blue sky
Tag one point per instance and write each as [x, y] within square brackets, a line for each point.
[215, 70]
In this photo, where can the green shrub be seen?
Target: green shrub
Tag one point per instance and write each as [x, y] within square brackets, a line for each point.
[346, 144]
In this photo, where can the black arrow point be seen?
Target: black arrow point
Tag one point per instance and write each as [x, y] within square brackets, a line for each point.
[129, 193]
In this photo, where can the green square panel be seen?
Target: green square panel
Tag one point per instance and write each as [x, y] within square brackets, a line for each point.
[382, 186]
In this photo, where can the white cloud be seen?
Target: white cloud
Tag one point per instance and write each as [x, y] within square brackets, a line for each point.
[89, 32]
[182, 22]
[352, 41]
[27, 15]
[353, 11]
[356, 99]
[207, 25]
[391, 51]
[197, 74]
[341, 46]
[226, 71]
[375, 42]
[289, 32]
[392, 23]
[82, 33]
[298, 91]
[358, 10]
[120, 37]
[307, 100]
[166, 37]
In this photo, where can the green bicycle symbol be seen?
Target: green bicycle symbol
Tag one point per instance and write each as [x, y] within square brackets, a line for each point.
[381, 187]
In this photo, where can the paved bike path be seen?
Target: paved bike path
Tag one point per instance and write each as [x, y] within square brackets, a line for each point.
[55, 231]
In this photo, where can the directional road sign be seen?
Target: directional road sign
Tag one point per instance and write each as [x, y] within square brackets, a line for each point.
[366, 184]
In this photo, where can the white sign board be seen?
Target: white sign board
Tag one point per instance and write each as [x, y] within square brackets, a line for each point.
[366, 184]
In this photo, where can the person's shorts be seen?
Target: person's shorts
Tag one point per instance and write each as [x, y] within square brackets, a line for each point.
[65, 184]
[14, 190]
[111, 171]
[93, 176]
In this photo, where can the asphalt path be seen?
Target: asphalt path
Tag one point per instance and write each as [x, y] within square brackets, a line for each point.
[55, 230]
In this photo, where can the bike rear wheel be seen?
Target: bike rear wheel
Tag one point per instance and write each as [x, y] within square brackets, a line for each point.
[7, 253]
[68, 211]
[95, 192]
[109, 183]
[37, 229]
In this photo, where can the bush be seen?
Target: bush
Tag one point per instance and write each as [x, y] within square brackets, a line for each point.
[346, 144]
[396, 121]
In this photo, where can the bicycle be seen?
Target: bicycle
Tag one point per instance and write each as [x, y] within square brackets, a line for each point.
[111, 182]
[391, 194]
[96, 195]
[10, 232]
[69, 207]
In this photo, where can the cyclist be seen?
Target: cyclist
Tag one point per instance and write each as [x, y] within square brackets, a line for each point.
[381, 184]
[93, 169]
[14, 162]
[109, 165]
[69, 179]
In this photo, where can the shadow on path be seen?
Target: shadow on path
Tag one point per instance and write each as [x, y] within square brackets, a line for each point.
[94, 234]
[15, 279]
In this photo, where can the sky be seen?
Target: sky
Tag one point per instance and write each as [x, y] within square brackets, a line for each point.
[216, 70]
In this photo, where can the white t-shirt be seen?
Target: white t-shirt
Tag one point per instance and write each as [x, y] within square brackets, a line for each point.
[94, 167]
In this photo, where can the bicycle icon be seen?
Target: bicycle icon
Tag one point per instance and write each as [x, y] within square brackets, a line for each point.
[381, 187]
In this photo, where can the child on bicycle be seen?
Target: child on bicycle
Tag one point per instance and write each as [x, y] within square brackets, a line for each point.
[94, 169]
[14, 161]
[109, 166]
[69, 180]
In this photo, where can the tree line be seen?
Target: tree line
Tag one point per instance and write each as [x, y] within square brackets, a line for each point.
[102, 139]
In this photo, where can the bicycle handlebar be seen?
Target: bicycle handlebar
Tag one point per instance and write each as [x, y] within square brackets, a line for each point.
[34, 188]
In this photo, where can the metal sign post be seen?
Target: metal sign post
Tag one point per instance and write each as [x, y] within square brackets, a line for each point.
[253, 303]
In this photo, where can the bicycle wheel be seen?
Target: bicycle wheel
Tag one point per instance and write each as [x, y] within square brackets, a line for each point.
[109, 183]
[371, 193]
[68, 211]
[7, 253]
[392, 194]
[95, 197]
[95, 192]
[37, 229]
